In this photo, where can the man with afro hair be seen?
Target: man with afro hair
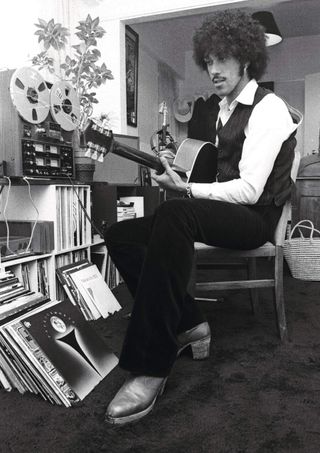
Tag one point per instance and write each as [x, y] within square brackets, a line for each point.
[254, 134]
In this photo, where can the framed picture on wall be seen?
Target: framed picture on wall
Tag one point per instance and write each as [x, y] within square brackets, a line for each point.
[132, 54]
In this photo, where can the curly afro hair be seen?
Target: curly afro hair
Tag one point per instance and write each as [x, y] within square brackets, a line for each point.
[232, 33]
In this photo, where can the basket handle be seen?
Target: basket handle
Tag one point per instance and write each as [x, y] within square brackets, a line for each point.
[300, 225]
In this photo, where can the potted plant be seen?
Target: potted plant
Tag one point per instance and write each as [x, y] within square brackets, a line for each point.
[81, 68]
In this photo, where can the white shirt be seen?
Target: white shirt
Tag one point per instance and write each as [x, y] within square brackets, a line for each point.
[269, 125]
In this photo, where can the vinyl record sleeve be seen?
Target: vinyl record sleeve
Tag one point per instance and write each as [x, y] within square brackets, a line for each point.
[90, 312]
[34, 361]
[80, 355]
[19, 365]
[93, 288]
[24, 359]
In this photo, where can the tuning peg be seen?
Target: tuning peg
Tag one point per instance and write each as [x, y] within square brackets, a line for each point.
[88, 152]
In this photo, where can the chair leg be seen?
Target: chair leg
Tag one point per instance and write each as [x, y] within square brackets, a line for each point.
[278, 294]
[252, 275]
[193, 279]
[192, 286]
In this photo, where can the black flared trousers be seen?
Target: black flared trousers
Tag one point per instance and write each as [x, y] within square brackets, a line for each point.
[154, 255]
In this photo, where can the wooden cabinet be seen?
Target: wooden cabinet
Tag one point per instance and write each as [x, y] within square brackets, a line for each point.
[307, 197]
[105, 196]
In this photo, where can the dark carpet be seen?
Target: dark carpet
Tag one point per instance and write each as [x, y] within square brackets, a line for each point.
[254, 394]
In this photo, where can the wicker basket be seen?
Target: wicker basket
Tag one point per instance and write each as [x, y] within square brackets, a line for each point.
[303, 253]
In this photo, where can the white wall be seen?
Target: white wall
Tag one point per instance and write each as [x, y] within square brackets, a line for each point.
[145, 9]
[312, 113]
[18, 43]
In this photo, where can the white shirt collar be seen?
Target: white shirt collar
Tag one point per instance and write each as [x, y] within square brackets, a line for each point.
[246, 96]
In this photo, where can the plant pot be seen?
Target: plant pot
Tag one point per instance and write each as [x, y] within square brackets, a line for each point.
[84, 166]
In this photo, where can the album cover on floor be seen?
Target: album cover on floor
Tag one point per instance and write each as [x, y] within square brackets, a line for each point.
[62, 348]
[74, 347]
[35, 369]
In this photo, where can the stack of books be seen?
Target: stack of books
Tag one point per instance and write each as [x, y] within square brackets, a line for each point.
[86, 288]
[125, 210]
[53, 352]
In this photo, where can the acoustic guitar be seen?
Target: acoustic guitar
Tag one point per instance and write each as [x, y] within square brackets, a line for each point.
[195, 160]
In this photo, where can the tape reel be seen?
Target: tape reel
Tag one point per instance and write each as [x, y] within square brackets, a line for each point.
[30, 94]
[65, 105]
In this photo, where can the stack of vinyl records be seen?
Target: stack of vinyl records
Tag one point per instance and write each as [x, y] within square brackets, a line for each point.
[53, 352]
[14, 296]
[86, 288]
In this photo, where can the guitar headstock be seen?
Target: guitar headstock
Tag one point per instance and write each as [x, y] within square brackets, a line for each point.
[98, 139]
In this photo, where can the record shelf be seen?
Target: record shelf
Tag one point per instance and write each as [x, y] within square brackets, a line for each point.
[61, 204]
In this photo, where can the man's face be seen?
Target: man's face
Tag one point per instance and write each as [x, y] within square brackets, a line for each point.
[227, 75]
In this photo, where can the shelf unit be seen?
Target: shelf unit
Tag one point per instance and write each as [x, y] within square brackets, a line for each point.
[60, 203]
[105, 196]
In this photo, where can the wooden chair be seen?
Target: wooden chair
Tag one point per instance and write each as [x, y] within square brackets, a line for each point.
[208, 257]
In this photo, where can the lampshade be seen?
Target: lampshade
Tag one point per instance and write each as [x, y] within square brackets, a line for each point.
[272, 32]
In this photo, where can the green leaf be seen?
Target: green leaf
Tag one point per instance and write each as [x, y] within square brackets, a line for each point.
[101, 30]
[81, 66]
[77, 48]
[50, 24]
[95, 22]
[42, 22]
[56, 27]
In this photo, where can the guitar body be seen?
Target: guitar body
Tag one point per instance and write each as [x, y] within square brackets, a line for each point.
[199, 159]
[195, 160]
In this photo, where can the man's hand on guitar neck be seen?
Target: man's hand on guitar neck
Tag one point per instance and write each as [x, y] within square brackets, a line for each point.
[167, 154]
[169, 179]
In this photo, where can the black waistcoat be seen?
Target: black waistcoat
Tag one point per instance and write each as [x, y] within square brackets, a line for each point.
[202, 125]
[231, 137]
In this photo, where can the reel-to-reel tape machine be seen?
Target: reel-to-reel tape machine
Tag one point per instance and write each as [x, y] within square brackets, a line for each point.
[37, 122]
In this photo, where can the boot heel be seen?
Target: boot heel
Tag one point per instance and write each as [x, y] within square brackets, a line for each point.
[201, 349]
